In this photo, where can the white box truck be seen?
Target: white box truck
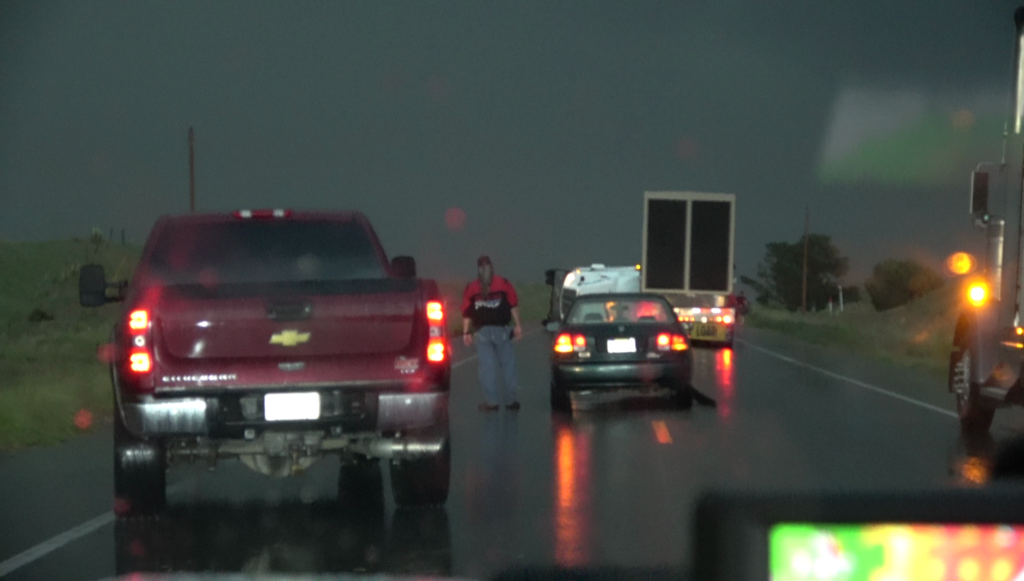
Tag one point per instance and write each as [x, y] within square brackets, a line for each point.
[688, 257]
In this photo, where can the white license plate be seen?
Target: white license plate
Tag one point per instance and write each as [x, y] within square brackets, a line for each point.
[279, 407]
[627, 345]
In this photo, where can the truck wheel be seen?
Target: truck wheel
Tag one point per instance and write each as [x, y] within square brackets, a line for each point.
[360, 485]
[560, 400]
[140, 472]
[975, 416]
[423, 481]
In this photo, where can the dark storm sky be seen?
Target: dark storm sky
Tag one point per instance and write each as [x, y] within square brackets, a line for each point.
[543, 121]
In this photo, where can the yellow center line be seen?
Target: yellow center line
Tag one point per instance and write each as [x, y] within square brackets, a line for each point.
[661, 432]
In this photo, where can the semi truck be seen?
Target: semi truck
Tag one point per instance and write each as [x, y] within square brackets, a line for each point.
[688, 256]
[988, 339]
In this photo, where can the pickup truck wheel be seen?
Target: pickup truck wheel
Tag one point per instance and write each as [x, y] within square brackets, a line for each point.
[140, 472]
[560, 400]
[360, 485]
[975, 416]
[422, 481]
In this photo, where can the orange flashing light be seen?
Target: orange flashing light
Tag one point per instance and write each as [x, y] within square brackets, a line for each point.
[679, 343]
[960, 263]
[977, 293]
[563, 344]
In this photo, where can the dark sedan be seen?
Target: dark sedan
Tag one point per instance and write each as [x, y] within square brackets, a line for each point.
[620, 345]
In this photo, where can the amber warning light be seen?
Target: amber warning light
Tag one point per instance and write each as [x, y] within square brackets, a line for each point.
[960, 263]
[977, 293]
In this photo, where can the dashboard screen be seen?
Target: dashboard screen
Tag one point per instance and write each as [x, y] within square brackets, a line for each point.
[889, 552]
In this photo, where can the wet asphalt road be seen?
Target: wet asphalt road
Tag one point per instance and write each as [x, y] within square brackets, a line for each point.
[610, 487]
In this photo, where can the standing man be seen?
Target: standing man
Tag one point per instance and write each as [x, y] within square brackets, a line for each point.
[489, 304]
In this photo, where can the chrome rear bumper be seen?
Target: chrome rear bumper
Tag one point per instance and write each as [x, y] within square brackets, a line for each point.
[189, 416]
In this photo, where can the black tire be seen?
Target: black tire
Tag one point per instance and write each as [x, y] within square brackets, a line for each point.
[683, 397]
[975, 415]
[560, 400]
[361, 486]
[140, 472]
[423, 481]
[420, 544]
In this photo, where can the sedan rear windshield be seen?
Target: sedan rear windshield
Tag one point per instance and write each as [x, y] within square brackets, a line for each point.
[256, 252]
[619, 310]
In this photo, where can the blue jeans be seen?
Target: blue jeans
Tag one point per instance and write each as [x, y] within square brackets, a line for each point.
[494, 349]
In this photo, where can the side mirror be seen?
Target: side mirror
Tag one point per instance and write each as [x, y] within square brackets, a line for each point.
[92, 286]
[552, 326]
[979, 195]
[403, 267]
[549, 277]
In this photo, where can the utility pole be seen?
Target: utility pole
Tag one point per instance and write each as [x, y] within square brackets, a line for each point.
[807, 227]
[191, 170]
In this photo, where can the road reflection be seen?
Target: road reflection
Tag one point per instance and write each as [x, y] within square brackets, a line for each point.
[572, 510]
[972, 459]
[287, 538]
[724, 381]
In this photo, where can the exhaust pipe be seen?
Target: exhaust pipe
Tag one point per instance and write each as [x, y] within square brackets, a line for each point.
[392, 448]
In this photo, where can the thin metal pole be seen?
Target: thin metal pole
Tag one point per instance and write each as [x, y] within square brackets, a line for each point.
[191, 171]
[807, 227]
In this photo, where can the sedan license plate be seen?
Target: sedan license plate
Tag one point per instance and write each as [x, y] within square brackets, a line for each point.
[278, 407]
[712, 332]
[627, 345]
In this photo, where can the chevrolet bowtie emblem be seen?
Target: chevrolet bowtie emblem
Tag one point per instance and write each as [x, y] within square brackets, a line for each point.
[288, 338]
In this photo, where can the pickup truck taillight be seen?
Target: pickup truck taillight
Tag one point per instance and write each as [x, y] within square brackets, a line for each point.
[140, 358]
[436, 347]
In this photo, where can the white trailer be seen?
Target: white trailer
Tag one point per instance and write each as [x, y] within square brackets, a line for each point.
[688, 257]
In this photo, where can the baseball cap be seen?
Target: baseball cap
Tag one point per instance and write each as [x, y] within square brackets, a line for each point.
[483, 260]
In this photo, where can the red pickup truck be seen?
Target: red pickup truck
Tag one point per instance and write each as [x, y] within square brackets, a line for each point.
[277, 337]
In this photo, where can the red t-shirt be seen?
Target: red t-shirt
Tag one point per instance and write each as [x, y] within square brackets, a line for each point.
[494, 309]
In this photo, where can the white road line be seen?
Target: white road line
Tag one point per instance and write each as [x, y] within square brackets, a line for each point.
[51, 545]
[851, 380]
[48, 546]
[69, 536]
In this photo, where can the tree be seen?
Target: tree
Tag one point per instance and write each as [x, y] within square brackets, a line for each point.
[894, 283]
[780, 274]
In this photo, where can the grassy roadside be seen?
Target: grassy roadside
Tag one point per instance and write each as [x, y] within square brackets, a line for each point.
[50, 377]
[48, 365]
[916, 335]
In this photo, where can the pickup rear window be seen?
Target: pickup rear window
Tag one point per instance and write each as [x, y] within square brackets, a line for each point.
[261, 253]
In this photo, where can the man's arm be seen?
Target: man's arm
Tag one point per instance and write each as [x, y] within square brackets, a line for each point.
[518, 332]
[467, 303]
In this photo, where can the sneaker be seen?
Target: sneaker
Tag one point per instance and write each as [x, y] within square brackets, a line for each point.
[514, 406]
[484, 407]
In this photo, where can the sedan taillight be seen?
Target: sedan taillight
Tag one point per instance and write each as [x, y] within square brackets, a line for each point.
[671, 342]
[566, 343]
